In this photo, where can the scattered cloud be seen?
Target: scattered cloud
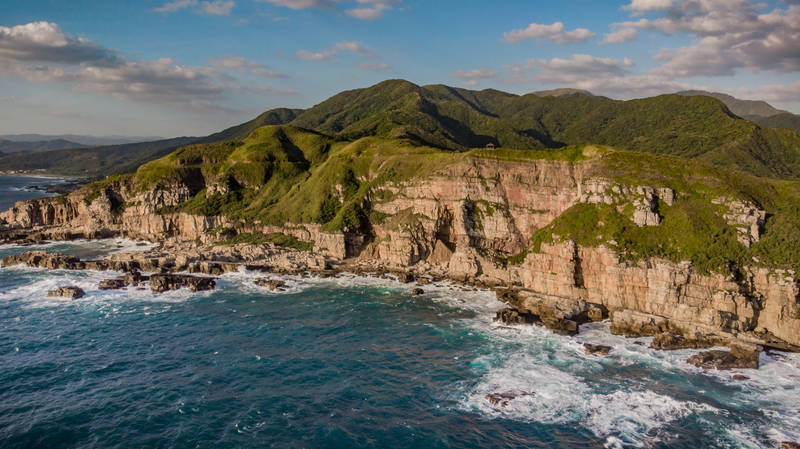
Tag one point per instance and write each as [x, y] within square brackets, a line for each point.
[781, 95]
[218, 7]
[176, 6]
[623, 35]
[473, 77]
[369, 9]
[555, 33]
[327, 55]
[47, 42]
[264, 90]
[373, 67]
[603, 76]
[243, 65]
[215, 8]
[731, 35]
[305, 4]
[8, 99]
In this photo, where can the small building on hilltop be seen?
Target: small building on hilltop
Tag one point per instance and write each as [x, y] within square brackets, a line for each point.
[490, 146]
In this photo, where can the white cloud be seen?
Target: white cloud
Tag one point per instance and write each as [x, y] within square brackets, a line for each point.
[579, 68]
[176, 5]
[47, 42]
[473, 77]
[304, 4]
[554, 33]
[620, 36]
[218, 7]
[373, 67]
[243, 65]
[327, 55]
[782, 95]
[731, 35]
[373, 13]
[602, 76]
[215, 8]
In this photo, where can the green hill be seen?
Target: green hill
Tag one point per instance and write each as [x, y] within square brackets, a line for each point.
[785, 120]
[8, 146]
[458, 119]
[742, 108]
[94, 161]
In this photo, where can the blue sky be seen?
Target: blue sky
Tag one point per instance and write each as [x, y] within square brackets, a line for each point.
[193, 67]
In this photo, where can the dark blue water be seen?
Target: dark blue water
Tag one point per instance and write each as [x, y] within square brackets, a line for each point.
[343, 363]
[18, 188]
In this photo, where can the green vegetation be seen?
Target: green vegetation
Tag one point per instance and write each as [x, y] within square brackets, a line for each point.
[277, 239]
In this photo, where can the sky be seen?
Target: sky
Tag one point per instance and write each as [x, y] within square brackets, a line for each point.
[194, 67]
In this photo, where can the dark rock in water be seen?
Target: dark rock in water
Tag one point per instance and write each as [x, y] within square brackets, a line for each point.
[273, 285]
[44, 260]
[160, 283]
[597, 349]
[134, 278]
[666, 341]
[418, 291]
[740, 377]
[503, 399]
[404, 277]
[112, 284]
[638, 343]
[67, 292]
[741, 355]
[423, 281]
[561, 326]
[790, 445]
[514, 316]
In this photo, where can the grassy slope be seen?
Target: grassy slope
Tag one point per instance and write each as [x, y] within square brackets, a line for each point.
[786, 120]
[286, 174]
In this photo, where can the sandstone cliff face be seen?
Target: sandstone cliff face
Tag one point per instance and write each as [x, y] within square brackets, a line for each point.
[467, 217]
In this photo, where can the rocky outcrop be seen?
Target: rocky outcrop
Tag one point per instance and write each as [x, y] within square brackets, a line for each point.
[160, 283]
[741, 355]
[666, 342]
[272, 284]
[70, 292]
[591, 349]
[746, 217]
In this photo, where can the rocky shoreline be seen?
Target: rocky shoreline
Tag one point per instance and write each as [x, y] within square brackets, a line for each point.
[169, 267]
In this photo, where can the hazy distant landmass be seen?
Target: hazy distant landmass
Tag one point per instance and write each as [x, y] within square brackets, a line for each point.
[82, 140]
[8, 146]
[743, 108]
[565, 92]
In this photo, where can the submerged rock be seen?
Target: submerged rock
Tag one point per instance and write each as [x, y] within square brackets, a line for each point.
[596, 349]
[418, 291]
[741, 355]
[71, 292]
[503, 399]
[561, 326]
[404, 277]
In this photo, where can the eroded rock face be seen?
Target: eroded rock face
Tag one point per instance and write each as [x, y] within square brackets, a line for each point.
[746, 217]
[112, 284]
[70, 292]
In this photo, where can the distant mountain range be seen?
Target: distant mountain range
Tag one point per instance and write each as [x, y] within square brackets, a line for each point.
[8, 146]
[691, 125]
[759, 112]
[81, 140]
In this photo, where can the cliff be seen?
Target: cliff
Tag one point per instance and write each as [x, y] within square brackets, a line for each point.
[660, 244]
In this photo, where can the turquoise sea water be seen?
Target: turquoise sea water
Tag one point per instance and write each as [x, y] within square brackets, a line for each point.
[346, 362]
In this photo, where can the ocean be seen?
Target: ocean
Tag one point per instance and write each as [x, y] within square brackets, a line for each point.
[346, 362]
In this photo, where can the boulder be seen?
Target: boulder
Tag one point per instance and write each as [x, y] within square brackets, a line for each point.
[441, 254]
[71, 292]
[666, 341]
[418, 291]
[404, 277]
[160, 283]
[561, 326]
[112, 284]
[272, 284]
[596, 349]
[790, 445]
[423, 281]
[741, 355]
[514, 316]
